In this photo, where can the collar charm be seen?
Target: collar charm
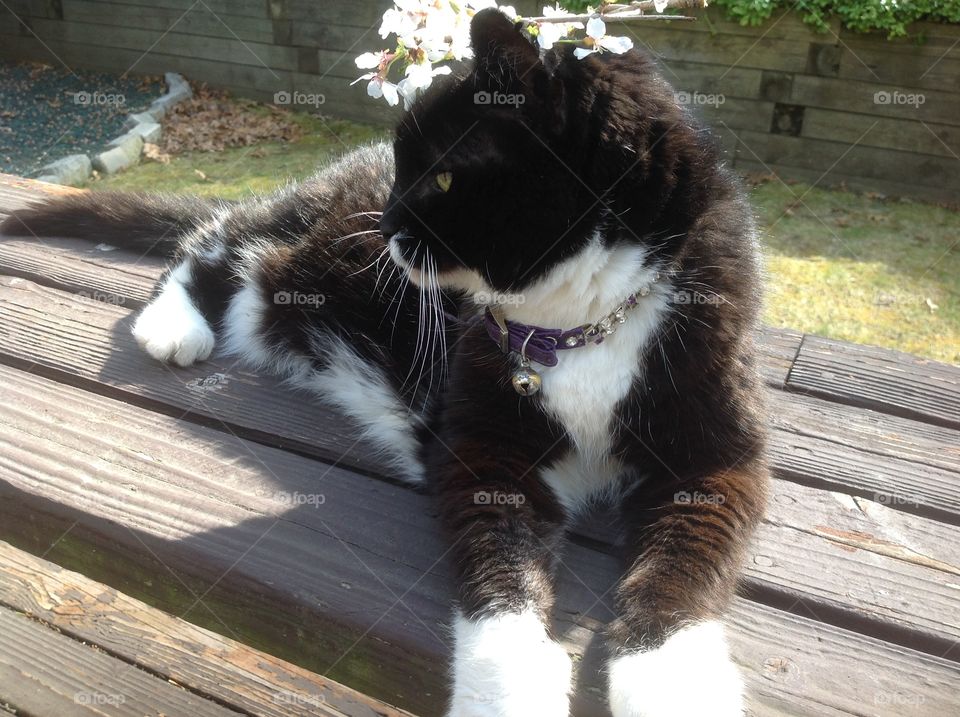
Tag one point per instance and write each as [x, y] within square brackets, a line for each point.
[541, 345]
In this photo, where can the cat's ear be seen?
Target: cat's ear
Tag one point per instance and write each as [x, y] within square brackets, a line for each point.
[498, 43]
[507, 61]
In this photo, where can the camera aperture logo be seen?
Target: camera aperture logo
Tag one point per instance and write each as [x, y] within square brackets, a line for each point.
[500, 99]
[99, 699]
[911, 99]
[99, 99]
[699, 98]
[685, 497]
[487, 298]
[299, 99]
[292, 698]
[101, 297]
[296, 498]
[496, 497]
[684, 296]
[299, 298]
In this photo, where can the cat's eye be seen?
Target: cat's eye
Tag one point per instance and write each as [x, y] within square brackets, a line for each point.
[444, 180]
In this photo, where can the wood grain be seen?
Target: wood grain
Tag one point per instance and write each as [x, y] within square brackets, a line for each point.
[882, 380]
[199, 660]
[315, 577]
[45, 673]
[893, 567]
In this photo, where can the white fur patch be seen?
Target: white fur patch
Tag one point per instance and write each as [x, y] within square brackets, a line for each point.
[507, 666]
[171, 328]
[690, 675]
[575, 479]
[350, 383]
[583, 390]
[361, 391]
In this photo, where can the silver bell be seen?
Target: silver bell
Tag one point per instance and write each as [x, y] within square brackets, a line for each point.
[526, 381]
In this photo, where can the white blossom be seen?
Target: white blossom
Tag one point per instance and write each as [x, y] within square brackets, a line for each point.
[599, 40]
[430, 32]
[550, 32]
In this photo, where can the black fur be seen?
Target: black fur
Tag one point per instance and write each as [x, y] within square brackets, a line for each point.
[598, 147]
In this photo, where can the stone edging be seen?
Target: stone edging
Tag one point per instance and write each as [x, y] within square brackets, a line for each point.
[123, 151]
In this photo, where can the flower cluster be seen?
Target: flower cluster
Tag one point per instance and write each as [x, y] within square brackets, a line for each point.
[430, 32]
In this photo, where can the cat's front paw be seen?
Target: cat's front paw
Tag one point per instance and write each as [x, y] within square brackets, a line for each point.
[507, 666]
[690, 675]
[172, 329]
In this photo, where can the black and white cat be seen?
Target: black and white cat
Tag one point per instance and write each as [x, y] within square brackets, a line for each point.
[591, 232]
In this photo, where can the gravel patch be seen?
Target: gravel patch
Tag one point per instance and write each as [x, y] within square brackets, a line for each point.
[47, 113]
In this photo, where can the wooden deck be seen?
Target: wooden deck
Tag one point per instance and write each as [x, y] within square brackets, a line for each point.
[240, 506]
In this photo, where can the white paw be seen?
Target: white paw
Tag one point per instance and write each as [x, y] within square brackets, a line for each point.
[171, 328]
[690, 675]
[507, 666]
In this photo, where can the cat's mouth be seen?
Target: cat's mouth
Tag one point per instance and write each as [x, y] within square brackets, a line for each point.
[427, 271]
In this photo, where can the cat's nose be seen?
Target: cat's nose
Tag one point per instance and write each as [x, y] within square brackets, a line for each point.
[391, 222]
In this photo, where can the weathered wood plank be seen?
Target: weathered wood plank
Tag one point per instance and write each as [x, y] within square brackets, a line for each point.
[199, 660]
[883, 380]
[16, 192]
[893, 64]
[119, 60]
[868, 430]
[95, 349]
[904, 135]
[919, 170]
[85, 269]
[892, 577]
[787, 54]
[853, 96]
[243, 8]
[779, 347]
[729, 81]
[312, 563]
[227, 49]
[45, 673]
[197, 20]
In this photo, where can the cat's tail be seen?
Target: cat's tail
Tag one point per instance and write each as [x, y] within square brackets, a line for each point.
[148, 223]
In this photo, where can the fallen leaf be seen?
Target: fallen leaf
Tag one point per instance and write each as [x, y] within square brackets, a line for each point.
[153, 152]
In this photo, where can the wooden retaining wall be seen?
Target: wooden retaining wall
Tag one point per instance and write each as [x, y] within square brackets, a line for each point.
[822, 107]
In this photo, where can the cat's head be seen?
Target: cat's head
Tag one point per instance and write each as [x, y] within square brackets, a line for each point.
[478, 184]
[505, 169]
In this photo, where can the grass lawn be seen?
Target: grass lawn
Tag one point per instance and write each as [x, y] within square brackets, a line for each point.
[850, 266]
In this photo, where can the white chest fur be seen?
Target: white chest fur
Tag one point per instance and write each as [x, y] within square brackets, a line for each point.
[583, 390]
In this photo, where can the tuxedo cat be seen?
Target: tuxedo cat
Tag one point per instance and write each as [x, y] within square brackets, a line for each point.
[557, 305]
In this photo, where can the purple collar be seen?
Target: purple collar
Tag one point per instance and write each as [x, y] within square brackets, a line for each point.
[541, 345]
